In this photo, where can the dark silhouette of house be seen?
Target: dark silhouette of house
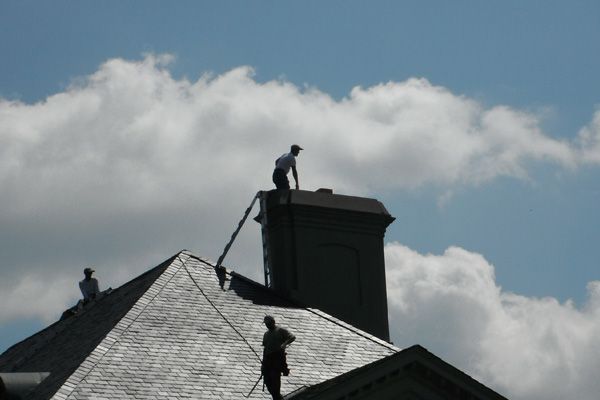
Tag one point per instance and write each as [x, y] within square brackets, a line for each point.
[186, 329]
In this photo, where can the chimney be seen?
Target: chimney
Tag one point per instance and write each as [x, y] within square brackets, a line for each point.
[326, 251]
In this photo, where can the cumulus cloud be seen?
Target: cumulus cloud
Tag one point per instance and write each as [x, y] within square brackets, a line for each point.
[139, 139]
[589, 140]
[524, 347]
[34, 297]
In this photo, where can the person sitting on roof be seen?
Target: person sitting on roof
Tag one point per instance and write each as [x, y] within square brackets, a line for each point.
[282, 167]
[274, 363]
[89, 286]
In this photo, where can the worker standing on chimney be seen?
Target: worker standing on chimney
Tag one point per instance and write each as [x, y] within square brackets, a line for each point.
[274, 363]
[282, 167]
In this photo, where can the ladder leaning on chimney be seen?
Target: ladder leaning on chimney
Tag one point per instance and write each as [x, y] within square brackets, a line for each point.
[264, 232]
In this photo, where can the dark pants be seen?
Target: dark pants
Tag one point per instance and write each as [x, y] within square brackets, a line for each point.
[280, 179]
[273, 366]
[273, 382]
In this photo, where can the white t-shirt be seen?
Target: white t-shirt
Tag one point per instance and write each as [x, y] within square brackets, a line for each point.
[272, 340]
[89, 288]
[285, 162]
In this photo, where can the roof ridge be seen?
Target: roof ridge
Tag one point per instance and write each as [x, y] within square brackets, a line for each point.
[89, 363]
[299, 304]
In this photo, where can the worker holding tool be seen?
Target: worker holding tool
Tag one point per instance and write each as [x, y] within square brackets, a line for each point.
[274, 363]
[282, 167]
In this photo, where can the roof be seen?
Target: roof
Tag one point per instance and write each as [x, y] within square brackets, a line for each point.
[186, 330]
[411, 367]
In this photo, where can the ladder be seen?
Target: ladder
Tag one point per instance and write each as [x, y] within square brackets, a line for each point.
[265, 239]
[264, 232]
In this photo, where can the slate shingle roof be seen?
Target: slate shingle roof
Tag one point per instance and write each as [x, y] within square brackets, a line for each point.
[174, 332]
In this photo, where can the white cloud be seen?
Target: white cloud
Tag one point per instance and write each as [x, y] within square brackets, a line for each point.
[141, 140]
[589, 140]
[527, 348]
[36, 296]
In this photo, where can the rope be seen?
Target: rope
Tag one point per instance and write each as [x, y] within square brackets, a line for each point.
[220, 313]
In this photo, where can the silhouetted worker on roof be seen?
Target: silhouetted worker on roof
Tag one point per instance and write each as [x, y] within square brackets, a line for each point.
[282, 167]
[274, 363]
[89, 286]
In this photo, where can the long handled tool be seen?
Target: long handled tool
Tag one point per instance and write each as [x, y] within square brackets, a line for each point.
[254, 387]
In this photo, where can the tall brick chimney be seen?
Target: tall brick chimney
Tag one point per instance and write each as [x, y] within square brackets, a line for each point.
[326, 251]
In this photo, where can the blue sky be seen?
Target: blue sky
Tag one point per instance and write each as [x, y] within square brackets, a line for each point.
[531, 54]
[538, 230]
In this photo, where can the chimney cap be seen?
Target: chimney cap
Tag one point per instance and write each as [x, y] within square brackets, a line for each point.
[328, 200]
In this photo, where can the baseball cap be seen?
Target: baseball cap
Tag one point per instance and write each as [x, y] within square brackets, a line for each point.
[269, 318]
